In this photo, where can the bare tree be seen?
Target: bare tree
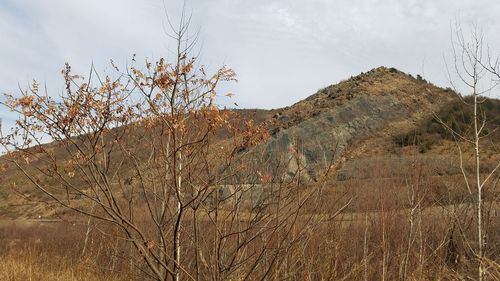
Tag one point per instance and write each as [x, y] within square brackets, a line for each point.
[150, 154]
[472, 65]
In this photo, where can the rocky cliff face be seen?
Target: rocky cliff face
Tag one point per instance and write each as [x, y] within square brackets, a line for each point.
[338, 120]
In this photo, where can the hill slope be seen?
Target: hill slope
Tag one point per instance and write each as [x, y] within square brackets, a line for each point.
[369, 126]
[356, 118]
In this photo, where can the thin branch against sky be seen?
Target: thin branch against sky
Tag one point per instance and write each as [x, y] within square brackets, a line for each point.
[283, 51]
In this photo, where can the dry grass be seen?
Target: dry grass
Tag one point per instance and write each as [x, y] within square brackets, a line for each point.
[353, 246]
[374, 240]
[37, 267]
[52, 251]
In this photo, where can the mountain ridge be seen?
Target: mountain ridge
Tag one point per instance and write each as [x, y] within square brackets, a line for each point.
[353, 126]
[356, 113]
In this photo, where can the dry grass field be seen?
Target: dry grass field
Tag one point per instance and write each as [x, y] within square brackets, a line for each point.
[380, 236]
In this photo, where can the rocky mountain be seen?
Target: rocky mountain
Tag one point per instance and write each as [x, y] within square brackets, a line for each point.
[369, 126]
[355, 119]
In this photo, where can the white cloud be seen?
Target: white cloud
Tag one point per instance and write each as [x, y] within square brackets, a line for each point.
[282, 50]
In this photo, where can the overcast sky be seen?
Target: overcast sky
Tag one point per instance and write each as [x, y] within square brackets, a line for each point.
[282, 51]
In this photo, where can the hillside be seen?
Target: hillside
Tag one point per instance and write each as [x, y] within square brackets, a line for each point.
[373, 125]
[357, 118]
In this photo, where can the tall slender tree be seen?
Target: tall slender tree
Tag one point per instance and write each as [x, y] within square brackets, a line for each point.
[474, 71]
